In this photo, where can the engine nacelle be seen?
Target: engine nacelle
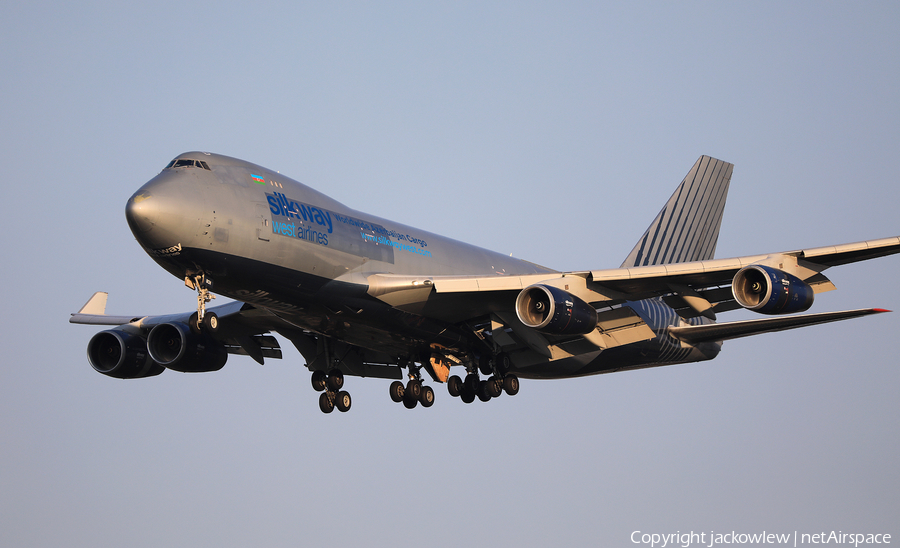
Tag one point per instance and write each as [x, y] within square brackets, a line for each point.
[553, 311]
[770, 291]
[176, 347]
[121, 355]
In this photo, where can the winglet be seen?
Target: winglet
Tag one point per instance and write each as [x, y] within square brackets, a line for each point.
[96, 305]
[94, 312]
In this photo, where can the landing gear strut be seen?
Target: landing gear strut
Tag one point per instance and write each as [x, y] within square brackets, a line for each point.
[201, 320]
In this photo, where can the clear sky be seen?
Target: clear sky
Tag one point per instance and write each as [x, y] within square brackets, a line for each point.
[552, 131]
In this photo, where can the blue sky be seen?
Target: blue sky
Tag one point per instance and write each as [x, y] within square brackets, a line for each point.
[554, 132]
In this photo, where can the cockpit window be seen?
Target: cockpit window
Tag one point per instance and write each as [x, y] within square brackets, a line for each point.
[185, 162]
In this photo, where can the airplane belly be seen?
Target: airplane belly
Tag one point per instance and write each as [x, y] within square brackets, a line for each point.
[338, 309]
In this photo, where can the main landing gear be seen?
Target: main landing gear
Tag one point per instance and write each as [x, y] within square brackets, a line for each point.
[414, 392]
[330, 385]
[474, 387]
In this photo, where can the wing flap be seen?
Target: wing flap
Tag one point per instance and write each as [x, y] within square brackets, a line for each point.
[619, 326]
[255, 346]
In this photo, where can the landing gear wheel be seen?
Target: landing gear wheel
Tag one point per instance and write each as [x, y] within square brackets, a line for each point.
[210, 322]
[335, 380]
[454, 386]
[326, 402]
[427, 397]
[194, 323]
[414, 389]
[482, 393]
[494, 387]
[342, 401]
[408, 401]
[397, 391]
[502, 363]
[484, 365]
[318, 380]
[511, 384]
[471, 382]
[467, 396]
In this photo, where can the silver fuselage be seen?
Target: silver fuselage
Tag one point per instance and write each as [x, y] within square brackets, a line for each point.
[267, 240]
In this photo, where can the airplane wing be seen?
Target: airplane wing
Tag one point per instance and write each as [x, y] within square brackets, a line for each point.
[706, 285]
[692, 288]
[242, 327]
[805, 264]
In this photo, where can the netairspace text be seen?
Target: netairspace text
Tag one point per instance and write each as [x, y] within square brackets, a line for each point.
[794, 538]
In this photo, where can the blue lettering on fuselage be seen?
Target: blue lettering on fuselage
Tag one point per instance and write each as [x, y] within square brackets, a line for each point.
[279, 204]
[316, 225]
[284, 228]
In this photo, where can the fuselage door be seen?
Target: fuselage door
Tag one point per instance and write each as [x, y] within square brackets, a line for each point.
[264, 224]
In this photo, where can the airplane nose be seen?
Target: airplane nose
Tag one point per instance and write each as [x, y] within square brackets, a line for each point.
[142, 212]
[166, 211]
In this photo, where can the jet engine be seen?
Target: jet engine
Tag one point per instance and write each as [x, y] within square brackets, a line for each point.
[122, 355]
[553, 311]
[176, 347]
[770, 291]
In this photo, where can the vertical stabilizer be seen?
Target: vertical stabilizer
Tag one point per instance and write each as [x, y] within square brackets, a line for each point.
[687, 228]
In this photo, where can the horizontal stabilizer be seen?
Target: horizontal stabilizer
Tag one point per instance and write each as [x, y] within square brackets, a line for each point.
[694, 334]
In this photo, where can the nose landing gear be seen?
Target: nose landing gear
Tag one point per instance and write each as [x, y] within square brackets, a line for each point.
[201, 320]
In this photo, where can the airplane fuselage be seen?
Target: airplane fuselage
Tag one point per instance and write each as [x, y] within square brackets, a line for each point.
[267, 240]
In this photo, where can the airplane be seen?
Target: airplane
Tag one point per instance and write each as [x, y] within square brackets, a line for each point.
[362, 296]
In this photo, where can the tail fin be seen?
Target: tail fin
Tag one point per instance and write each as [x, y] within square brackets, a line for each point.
[687, 228]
